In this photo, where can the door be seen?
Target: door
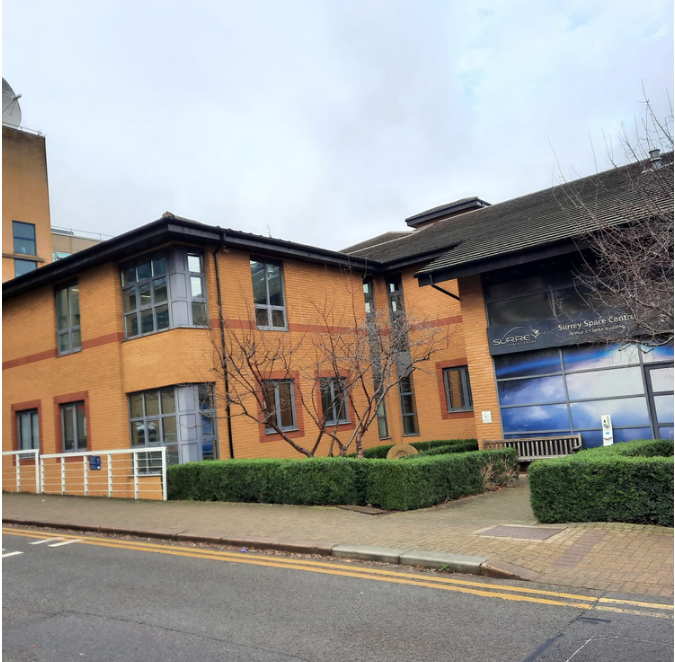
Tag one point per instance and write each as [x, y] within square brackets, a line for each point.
[660, 389]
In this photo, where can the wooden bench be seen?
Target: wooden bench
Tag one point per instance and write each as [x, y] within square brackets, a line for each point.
[536, 448]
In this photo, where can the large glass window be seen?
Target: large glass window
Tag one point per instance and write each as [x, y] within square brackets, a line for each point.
[268, 295]
[28, 429]
[279, 403]
[24, 238]
[164, 291]
[522, 309]
[579, 384]
[457, 389]
[74, 427]
[22, 267]
[181, 418]
[69, 337]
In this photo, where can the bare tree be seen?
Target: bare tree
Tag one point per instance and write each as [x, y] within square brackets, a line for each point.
[626, 235]
[346, 363]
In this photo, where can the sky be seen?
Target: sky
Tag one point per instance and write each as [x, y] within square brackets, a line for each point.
[325, 122]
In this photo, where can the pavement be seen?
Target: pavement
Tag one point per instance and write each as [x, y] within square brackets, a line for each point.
[497, 530]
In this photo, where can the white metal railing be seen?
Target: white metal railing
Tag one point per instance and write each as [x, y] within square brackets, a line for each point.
[120, 473]
[11, 471]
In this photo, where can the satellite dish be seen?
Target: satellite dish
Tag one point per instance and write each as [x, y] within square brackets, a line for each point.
[11, 111]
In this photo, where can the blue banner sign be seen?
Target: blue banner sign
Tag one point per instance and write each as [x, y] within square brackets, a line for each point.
[558, 331]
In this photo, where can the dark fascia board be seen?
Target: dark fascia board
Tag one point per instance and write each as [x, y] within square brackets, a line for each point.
[172, 229]
[500, 262]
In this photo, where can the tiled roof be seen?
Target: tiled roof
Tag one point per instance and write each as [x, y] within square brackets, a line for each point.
[547, 216]
[376, 241]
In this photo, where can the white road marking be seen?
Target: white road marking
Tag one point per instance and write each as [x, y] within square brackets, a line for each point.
[4, 556]
[40, 542]
[67, 542]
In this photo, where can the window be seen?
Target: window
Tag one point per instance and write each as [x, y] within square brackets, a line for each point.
[395, 292]
[279, 404]
[268, 295]
[369, 296]
[408, 406]
[164, 291]
[334, 401]
[59, 255]
[28, 429]
[74, 427]
[24, 238]
[69, 337]
[457, 389]
[182, 418]
[22, 267]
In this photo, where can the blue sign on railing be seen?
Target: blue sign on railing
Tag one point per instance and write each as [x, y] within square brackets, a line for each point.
[95, 462]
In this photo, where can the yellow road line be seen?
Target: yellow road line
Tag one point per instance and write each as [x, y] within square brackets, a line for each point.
[234, 556]
[486, 589]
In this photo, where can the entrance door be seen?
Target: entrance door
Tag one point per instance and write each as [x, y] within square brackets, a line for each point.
[660, 389]
[197, 433]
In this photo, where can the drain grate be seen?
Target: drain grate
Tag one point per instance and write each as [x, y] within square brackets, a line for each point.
[521, 532]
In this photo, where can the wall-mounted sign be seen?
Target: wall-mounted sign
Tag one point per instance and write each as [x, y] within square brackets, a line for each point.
[95, 462]
[555, 332]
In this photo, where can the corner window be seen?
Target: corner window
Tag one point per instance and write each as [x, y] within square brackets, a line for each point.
[408, 407]
[164, 291]
[28, 429]
[69, 337]
[74, 427]
[182, 418]
[22, 267]
[268, 295]
[457, 389]
[334, 401]
[279, 403]
[24, 238]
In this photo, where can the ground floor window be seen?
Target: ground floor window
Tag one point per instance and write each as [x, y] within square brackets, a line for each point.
[334, 401]
[457, 389]
[566, 390]
[408, 406]
[181, 418]
[279, 402]
[74, 427]
[28, 429]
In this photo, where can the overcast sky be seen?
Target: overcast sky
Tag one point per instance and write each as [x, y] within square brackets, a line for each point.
[323, 122]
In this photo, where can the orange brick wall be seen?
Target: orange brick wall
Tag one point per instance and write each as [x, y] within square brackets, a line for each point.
[108, 368]
[25, 194]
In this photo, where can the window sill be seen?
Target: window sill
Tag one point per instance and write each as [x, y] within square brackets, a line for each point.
[269, 432]
[171, 328]
[459, 411]
[24, 256]
[416, 434]
[272, 328]
[72, 351]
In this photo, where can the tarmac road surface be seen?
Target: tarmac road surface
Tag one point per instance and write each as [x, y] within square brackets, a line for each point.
[103, 599]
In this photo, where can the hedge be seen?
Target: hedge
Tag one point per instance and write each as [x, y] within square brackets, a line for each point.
[626, 482]
[457, 446]
[343, 481]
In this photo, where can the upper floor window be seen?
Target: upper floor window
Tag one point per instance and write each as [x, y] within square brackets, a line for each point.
[24, 238]
[457, 389]
[28, 429]
[59, 255]
[68, 319]
[395, 292]
[268, 295]
[22, 267]
[74, 427]
[334, 400]
[369, 296]
[164, 291]
[279, 404]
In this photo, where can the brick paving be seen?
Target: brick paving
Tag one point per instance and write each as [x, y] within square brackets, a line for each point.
[627, 558]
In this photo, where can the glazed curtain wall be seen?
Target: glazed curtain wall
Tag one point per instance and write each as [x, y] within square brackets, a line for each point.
[561, 390]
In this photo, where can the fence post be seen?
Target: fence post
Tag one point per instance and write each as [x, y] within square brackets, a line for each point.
[85, 465]
[63, 475]
[109, 475]
[37, 472]
[42, 475]
[134, 456]
[164, 473]
[18, 473]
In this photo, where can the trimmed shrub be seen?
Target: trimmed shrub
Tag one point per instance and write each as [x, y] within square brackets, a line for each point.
[343, 481]
[432, 480]
[625, 482]
[457, 446]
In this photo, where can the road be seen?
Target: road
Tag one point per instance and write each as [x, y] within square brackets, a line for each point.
[114, 600]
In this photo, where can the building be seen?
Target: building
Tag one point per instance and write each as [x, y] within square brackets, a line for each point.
[115, 346]
[66, 241]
